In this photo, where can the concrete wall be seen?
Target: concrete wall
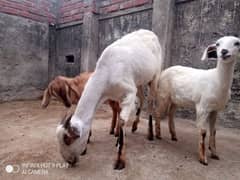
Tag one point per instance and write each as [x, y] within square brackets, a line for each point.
[23, 57]
[111, 29]
[68, 43]
[24, 47]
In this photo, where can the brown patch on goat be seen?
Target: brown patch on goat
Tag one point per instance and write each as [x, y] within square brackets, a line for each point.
[72, 134]
[116, 110]
[120, 161]
[136, 121]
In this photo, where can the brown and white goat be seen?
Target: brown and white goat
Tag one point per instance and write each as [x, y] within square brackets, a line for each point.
[69, 90]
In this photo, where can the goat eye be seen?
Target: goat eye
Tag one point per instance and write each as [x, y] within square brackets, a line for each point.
[217, 44]
[237, 44]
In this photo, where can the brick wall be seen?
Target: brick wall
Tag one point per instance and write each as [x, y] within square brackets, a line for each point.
[66, 10]
[71, 10]
[38, 10]
[108, 6]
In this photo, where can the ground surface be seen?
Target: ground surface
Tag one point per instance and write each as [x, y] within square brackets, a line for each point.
[27, 135]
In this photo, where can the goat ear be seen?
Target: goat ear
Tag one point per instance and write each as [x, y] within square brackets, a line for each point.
[74, 88]
[210, 52]
[64, 94]
[46, 98]
[73, 133]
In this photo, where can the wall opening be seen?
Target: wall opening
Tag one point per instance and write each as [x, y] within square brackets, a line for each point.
[70, 59]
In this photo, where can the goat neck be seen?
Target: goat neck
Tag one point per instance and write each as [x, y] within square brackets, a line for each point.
[91, 96]
[225, 73]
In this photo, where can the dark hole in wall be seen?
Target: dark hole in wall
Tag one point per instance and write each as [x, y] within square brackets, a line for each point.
[70, 59]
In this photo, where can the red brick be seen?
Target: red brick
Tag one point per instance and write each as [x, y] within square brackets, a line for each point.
[117, 1]
[27, 15]
[67, 3]
[44, 7]
[65, 14]
[103, 10]
[77, 17]
[50, 15]
[140, 2]
[36, 11]
[72, 7]
[112, 8]
[51, 20]
[9, 10]
[64, 19]
[45, 3]
[126, 5]
[14, 5]
[78, 4]
[76, 11]
[28, 9]
[28, 3]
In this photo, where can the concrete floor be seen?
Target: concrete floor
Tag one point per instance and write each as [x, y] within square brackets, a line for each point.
[27, 135]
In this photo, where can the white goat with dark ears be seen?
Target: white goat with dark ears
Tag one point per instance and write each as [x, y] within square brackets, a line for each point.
[206, 90]
[132, 61]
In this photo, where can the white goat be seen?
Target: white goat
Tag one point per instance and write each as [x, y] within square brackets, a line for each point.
[206, 90]
[133, 60]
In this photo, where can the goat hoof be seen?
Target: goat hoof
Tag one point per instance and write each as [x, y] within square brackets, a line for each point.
[214, 156]
[158, 137]
[204, 162]
[84, 152]
[111, 132]
[174, 139]
[150, 138]
[119, 164]
[134, 127]
[73, 162]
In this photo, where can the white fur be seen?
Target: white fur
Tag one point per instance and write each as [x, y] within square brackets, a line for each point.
[205, 90]
[132, 61]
